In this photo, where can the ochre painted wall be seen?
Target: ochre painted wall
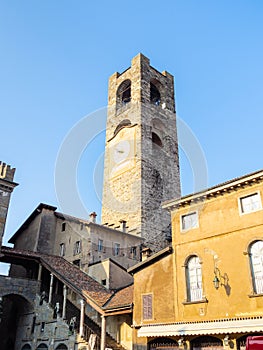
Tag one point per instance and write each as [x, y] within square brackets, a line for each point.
[221, 240]
[158, 280]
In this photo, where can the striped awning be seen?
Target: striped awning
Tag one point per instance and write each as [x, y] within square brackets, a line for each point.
[203, 328]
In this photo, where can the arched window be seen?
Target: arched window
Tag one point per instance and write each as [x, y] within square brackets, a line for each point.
[162, 342]
[26, 347]
[194, 279]
[61, 347]
[124, 93]
[207, 342]
[42, 346]
[256, 263]
[155, 96]
[156, 139]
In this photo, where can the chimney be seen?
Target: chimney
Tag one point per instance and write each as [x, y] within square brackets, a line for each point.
[92, 217]
[123, 225]
[146, 253]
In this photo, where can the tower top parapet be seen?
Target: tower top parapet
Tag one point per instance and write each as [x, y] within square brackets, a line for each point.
[6, 172]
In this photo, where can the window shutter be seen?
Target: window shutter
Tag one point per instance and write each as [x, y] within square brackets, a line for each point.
[147, 306]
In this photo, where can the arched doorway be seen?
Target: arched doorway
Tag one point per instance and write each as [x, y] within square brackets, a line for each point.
[162, 344]
[15, 307]
[206, 343]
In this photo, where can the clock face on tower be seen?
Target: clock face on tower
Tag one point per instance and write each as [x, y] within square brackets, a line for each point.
[122, 151]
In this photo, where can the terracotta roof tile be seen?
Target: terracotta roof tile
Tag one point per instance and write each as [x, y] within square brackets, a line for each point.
[123, 297]
[79, 280]
[68, 273]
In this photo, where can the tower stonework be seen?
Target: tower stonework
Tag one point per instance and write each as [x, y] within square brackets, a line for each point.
[6, 188]
[141, 167]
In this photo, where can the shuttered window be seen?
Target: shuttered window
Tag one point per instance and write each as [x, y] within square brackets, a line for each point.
[77, 248]
[147, 306]
[256, 262]
[194, 279]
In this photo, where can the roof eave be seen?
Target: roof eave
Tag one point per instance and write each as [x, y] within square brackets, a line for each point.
[222, 188]
[152, 259]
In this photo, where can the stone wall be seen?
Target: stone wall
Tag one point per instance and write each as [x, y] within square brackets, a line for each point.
[89, 234]
[6, 187]
[135, 194]
[26, 288]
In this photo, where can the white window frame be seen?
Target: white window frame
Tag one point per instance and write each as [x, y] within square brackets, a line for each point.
[77, 248]
[244, 211]
[193, 225]
[100, 245]
[194, 279]
[62, 249]
[116, 249]
[256, 263]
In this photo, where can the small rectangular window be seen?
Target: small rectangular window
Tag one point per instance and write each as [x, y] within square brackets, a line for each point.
[77, 248]
[116, 249]
[189, 221]
[133, 252]
[100, 245]
[63, 227]
[250, 203]
[62, 249]
[147, 307]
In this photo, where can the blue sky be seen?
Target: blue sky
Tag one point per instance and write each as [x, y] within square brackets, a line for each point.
[56, 58]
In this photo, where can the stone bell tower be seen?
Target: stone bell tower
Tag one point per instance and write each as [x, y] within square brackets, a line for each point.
[6, 188]
[141, 167]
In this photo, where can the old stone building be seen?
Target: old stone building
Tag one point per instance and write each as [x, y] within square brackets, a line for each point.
[6, 188]
[141, 154]
[81, 242]
[68, 287]
[202, 288]
[206, 291]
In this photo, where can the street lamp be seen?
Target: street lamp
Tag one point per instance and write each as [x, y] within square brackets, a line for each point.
[216, 282]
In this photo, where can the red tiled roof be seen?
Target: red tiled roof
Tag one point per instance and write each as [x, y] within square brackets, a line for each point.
[123, 297]
[77, 278]
[72, 276]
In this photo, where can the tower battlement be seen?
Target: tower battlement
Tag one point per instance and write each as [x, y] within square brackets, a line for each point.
[6, 172]
[6, 188]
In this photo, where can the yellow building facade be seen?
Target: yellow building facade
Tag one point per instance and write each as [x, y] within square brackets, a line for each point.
[212, 296]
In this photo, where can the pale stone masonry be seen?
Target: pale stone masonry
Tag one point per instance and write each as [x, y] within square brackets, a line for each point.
[141, 167]
[6, 188]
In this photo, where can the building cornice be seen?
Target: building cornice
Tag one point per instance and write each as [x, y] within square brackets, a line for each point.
[218, 190]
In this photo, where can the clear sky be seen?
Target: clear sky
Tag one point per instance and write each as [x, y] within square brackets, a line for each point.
[56, 58]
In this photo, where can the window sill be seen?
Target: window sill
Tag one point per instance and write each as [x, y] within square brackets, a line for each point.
[204, 300]
[255, 295]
